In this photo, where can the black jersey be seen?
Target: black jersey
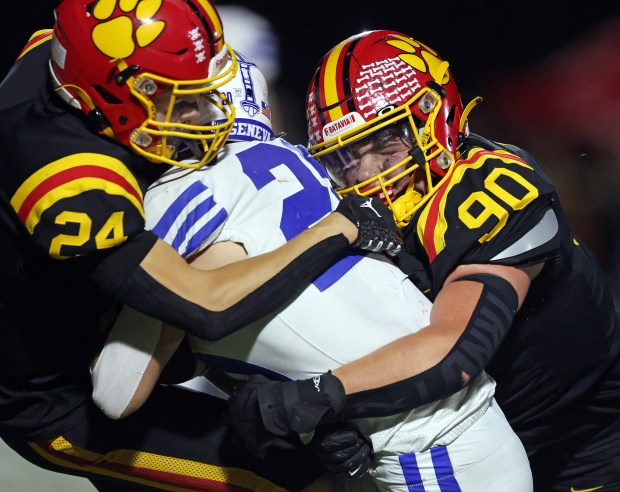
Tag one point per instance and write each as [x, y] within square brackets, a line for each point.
[557, 370]
[68, 197]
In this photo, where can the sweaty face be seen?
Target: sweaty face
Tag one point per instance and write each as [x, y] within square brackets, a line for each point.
[364, 159]
[186, 118]
[186, 108]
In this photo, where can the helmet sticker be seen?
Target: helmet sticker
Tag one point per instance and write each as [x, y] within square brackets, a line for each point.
[248, 103]
[115, 36]
[343, 124]
[393, 78]
[425, 60]
[218, 62]
[199, 45]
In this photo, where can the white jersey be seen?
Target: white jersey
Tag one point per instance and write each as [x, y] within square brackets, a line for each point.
[262, 194]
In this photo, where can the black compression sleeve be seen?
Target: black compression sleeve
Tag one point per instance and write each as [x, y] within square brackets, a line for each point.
[121, 262]
[145, 294]
[486, 329]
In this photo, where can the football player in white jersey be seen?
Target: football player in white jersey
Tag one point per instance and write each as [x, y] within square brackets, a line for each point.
[261, 192]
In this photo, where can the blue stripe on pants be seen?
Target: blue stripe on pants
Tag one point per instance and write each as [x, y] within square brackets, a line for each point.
[443, 470]
[413, 479]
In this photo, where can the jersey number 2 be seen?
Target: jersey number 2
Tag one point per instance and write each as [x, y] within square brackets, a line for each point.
[309, 202]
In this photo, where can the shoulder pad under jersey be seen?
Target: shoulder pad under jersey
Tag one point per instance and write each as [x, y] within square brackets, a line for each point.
[493, 207]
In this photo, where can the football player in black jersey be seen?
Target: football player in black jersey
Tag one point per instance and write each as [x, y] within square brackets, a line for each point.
[91, 113]
[515, 292]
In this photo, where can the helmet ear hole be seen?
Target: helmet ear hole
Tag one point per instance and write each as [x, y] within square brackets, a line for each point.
[450, 118]
[106, 95]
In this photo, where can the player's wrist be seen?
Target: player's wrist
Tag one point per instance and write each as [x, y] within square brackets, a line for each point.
[336, 223]
[376, 229]
[300, 406]
[325, 390]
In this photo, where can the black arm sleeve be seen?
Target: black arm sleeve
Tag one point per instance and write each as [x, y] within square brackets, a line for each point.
[133, 286]
[486, 329]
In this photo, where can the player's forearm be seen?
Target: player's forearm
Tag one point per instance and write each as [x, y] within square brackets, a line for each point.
[169, 340]
[469, 320]
[222, 288]
[413, 354]
[136, 351]
[397, 361]
[212, 304]
[238, 280]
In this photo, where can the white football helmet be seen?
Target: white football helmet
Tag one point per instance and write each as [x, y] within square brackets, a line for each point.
[247, 91]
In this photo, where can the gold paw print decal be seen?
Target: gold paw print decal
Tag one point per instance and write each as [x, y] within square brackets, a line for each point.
[114, 36]
[422, 58]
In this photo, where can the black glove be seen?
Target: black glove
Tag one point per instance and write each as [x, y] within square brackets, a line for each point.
[375, 222]
[261, 409]
[343, 450]
[245, 418]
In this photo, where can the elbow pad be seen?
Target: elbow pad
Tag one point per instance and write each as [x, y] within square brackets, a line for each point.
[144, 293]
[487, 327]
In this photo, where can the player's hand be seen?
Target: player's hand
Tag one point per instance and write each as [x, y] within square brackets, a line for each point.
[262, 410]
[343, 450]
[377, 230]
[245, 417]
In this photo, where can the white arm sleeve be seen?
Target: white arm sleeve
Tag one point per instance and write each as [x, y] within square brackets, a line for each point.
[123, 360]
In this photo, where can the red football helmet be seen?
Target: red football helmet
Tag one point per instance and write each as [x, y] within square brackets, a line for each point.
[147, 73]
[384, 85]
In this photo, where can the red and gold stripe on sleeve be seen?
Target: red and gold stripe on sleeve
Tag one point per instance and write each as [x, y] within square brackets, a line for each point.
[35, 40]
[432, 225]
[71, 176]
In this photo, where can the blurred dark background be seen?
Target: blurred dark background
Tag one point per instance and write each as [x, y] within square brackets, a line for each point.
[548, 70]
